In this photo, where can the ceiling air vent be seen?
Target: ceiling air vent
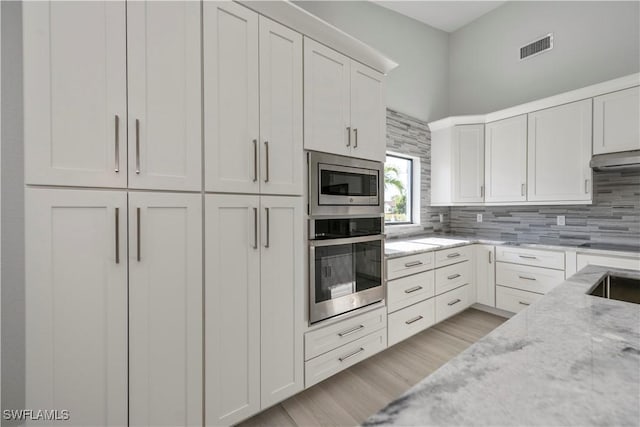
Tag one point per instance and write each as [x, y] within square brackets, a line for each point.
[537, 47]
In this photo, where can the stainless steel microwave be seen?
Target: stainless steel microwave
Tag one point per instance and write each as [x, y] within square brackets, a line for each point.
[340, 185]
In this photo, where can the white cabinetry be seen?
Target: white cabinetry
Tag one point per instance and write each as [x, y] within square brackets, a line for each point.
[506, 160]
[485, 274]
[75, 89]
[614, 261]
[468, 164]
[76, 311]
[252, 102]
[165, 309]
[164, 94]
[616, 121]
[559, 151]
[252, 299]
[344, 104]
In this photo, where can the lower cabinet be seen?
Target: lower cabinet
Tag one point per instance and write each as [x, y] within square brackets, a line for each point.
[453, 302]
[485, 274]
[514, 300]
[253, 285]
[411, 320]
[630, 262]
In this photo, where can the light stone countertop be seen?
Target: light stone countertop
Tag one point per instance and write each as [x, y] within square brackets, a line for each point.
[395, 248]
[569, 359]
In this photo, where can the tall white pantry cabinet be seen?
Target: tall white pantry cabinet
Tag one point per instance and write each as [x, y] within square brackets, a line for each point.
[127, 258]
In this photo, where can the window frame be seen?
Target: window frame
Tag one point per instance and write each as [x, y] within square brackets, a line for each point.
[413, 192]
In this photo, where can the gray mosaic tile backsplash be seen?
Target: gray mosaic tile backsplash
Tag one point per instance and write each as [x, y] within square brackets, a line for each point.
[614, 216]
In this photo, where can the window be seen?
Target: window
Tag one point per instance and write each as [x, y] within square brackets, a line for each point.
[398, 189]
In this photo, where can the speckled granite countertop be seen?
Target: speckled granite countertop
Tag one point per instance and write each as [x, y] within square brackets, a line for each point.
[570, 359]
[395, 248]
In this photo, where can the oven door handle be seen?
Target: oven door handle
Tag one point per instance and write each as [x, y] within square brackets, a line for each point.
[346, 240]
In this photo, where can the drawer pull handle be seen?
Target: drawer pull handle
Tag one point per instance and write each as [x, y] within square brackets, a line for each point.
[413, 263]
[350, 331]
[527, 256]
[527, 278]
[454, 302]
[455, 255]
[410, 290]
[523, 303]
[414, 320]
[345, 357]
[453, 276]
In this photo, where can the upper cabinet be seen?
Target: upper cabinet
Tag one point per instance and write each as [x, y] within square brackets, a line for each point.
[344, 105]
[506, 160]
[165, 95]
[468, 164]
[559, 151]
[252, 102]
[616, 121]
[75, 93]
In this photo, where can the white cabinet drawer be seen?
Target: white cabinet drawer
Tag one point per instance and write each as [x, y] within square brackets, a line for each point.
[453, 302]
[411, 264]
[534, 257]
[341, 358]
[325, 339]
[411, 320]
[453, 276]
[632, 263]
[452, 256]
[409, 290]
[527, 278]
[514, 300]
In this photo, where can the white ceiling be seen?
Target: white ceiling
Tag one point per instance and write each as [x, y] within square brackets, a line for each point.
[444, 15]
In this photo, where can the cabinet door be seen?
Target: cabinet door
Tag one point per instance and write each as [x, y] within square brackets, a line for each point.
[165, 138]
[75, 93]
[326, 99]
[616, 121]
[559, 153]
[232, 306]
[230, 97]
[368, 113]
[282, 298]
[165, 309]
[468, 164]
[441, 188]
[76, 304]
[506, 160]
[280, 108]
[485, 274]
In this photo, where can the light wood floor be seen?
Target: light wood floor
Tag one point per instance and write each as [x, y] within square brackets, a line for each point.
[350, 397]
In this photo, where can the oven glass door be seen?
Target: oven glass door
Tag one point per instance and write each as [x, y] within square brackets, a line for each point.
[345, 275]
[340, 185]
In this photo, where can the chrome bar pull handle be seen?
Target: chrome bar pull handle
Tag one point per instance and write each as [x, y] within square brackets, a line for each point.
[117, 235]
[350, 331]
[348, 136]
[523, 303]
[266, 211]
[117, 139]
[255, 228]
[343, 358]
[586, 186]
[527, 278]
[454, 302]
[255, 160]
[411, 290]
[490, 260]
[137, 146]
[454, 255]
[522, 189]
[355, 137]
[138, 234]
[414, 320]
[527, 256]
[266, 153]
[482, 191]
[413, 263]
[453, 276]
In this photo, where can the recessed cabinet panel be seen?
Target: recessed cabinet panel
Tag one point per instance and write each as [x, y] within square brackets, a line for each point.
[368, 113]
[559, 147]
[616, 121]
[165, 309]
[165, 95]
[506, 160]
[280, 109]
[326, 99]
[468, 164]
[75, 92]
[231, 99]
[76, 311]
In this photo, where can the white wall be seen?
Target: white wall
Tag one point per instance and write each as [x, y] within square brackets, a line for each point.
[419, 86]
[594, 41]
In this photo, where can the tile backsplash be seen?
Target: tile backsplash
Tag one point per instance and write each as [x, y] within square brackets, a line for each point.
[614, 216]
